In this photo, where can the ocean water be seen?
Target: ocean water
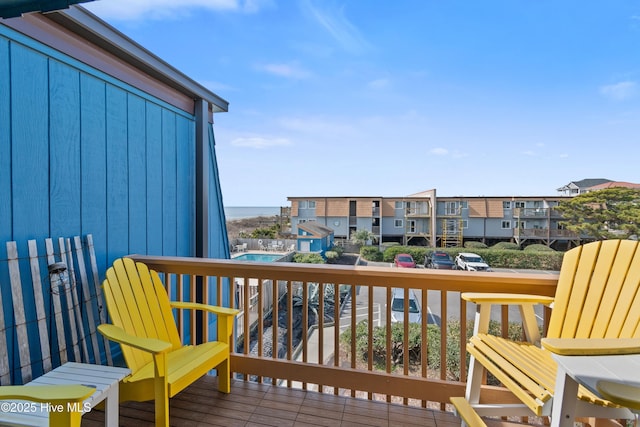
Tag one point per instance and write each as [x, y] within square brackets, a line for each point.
[239, 212]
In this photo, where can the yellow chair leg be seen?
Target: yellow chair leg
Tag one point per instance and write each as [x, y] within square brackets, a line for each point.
[161, 391]
[224, 376]
[66, 418]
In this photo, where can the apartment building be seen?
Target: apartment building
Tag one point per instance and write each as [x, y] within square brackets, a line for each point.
[426, 220]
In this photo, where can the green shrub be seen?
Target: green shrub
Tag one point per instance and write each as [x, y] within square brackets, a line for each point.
[379, 344]
[308, 258]
[337, 249]
[506, 246]
[474, 245]
[371, 253]
[534, 260]
[331, 256]
[537, 247]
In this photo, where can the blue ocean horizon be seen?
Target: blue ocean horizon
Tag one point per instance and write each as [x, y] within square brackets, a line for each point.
[239, 212]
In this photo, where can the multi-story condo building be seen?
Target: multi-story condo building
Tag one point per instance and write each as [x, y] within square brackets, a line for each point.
[427, 220]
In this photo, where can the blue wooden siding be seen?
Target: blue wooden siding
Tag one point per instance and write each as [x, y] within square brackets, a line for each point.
[81, 152]
[84, 153]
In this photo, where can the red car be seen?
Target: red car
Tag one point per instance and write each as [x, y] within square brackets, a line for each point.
[404, 260]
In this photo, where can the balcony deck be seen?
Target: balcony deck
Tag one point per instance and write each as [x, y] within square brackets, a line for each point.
[253, 404]
[321, 359]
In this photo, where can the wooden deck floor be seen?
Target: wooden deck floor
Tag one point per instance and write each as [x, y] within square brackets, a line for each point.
[251, 404]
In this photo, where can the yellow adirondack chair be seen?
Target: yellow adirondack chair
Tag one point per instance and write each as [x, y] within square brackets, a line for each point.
[55, 395]
[597, 297]
[143, 323]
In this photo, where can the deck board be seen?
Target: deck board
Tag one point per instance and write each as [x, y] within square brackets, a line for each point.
[252, 404]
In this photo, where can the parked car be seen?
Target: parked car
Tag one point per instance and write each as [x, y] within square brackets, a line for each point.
[439, 260]
[397, 306]
[471, 262]
[404, 260]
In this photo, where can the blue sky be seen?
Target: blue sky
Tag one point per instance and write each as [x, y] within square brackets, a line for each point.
[390, 98]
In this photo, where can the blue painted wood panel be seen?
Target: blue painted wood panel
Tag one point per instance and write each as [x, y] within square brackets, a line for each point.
[185, 191]
[6, 230]
[154, 179]
[5, 149]
[93, 154]
[64, 151]
[137, 174]
[169, 189]
[117, 174]
[29, 144]
[218, 239]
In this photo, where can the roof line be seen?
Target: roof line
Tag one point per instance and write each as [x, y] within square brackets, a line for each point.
[94, 29]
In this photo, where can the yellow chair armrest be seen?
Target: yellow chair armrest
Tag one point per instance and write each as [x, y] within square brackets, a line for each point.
[220, 311]
[622, 394]
[150, 345]
[53, 394]
[591, 346]
[498, 298]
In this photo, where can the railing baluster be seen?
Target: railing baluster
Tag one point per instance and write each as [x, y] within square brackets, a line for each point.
[260, 321]
[354, 313]
[463, 339]
[321, 329]
[405, 337]
[305, 325]
[192, 313]
[388, 335]
[336, 330]
[369, 333]
[289, 324]
[179, 296]
[274, 324]
[424, 321]
[443, 339]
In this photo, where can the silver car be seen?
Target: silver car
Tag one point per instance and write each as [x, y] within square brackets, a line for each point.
[397, 306]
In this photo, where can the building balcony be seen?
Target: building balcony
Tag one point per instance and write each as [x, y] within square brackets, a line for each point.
[531, 212]
[318, 376]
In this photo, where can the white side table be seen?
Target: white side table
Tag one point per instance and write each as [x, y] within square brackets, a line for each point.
[588, 370]
[104, 378]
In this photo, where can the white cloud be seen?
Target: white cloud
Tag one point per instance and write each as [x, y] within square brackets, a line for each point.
[440, 151]
[291, 70]
[564, 156]
[340, 28]
[168, 9]
[619, 91]
[529, 153]
[259, 142]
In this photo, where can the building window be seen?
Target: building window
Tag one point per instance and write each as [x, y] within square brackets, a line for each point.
[506, 224]
[311, 204]
[399, 205]
[519, 205]
[465, 224]
[451, 208]
[302, 204]
[398, 223]
[506, 205]
[464, 204]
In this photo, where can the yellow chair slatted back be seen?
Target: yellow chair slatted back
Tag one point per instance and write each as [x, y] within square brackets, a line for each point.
[138, 303]
[597, 294]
